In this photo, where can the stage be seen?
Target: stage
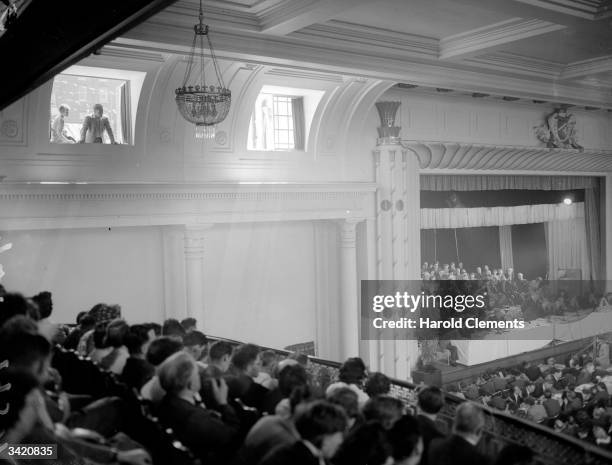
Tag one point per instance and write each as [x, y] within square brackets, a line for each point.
[538, 334]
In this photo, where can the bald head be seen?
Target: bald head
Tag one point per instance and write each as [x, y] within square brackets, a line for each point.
[469, 419]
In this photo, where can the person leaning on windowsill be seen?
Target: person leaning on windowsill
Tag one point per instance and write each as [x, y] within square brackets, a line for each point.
[94, 126]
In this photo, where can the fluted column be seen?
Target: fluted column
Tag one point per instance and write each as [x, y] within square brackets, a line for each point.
[194, 271]
[398, 238]
[608, 236]
[349, 302]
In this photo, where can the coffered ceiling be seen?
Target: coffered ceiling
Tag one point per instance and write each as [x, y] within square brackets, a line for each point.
[559, 50]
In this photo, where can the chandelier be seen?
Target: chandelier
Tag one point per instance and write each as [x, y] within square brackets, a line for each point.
[202, 103]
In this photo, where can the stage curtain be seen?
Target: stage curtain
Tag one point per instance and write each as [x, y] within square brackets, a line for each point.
[505, 246]
[126, 114]
[566, 244]
[299, 126]
[440, 218]
[441, 182]
[593, 231]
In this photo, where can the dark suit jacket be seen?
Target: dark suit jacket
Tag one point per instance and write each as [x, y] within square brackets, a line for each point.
[248, 391]
[294, 454]
[454, 450]
[209, 435]
[429, 432]
[137, 372]
[552, 406]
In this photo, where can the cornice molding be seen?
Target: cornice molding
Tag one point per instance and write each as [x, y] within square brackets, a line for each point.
[493, 35]
[462, 158]
[137, 192]
[517, 64]
[41, 206]
[586, 67]
[370, 38]
[589, 9]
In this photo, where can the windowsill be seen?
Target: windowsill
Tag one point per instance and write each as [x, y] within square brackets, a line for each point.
[87, 149]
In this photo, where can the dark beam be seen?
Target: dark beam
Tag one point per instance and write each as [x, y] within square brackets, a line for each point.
[49, 36]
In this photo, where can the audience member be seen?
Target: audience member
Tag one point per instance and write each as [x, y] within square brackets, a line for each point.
[137, 370]
[384, 409]
[210, 438]
[406, 442]
[377, 384]
[189, 324]
[352, 374]
[267, 372]
[196, 344]
[159, 350]
[460, 447]
[321, 427]
[430, 402]
[367, 444]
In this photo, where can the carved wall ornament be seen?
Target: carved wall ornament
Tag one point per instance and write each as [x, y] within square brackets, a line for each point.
[9, 128]
[221, 138]
[559, 130]
[388, 132]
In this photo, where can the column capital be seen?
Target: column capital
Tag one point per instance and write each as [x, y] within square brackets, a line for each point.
[196, 229]
[348, 231]
[194, 240]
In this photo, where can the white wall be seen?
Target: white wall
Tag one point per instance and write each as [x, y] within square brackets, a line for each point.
[82, 267]
[259, 277]
[259, 282]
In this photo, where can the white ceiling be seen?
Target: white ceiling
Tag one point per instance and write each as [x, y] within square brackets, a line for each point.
[429, 18]
[526, 48]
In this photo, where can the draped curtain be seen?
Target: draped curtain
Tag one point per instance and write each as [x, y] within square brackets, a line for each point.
[440, 218]
[593, 232]
[126, 114]
[439, 182]
[566, 244]
[505, 246]
[299, 126]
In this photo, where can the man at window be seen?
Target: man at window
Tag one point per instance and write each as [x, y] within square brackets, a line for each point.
[59, 135]
[94, 127]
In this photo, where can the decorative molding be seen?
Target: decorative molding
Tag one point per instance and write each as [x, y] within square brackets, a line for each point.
[303, 74]
[288, 16]
[371, 39]
[217, 15]
[517, 64]
[455, 157]
[493, 35]
[36, 206]
[587, 67]
[589, 9]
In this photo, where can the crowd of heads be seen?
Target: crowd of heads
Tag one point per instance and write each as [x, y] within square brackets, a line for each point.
[227, 403]
[571, 396]
[537, 297]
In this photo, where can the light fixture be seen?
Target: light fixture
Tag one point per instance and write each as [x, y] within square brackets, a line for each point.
[203, 103]
[567, 201]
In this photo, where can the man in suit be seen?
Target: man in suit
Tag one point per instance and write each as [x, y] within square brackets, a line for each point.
[321, 427]
[245, 366]
[430, 402]
[552, 406]
[94, 127]
[460, 447]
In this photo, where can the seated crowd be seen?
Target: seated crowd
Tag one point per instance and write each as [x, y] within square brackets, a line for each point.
[226, 404]
[574, 397]
[536, 297]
